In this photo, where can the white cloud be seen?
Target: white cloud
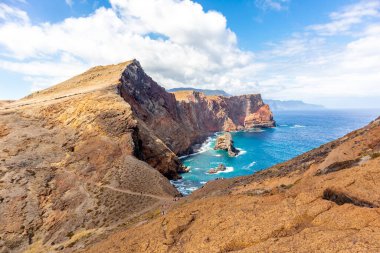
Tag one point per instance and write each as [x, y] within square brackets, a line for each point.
[180, 44]
[277, 5]
[195, 44]
[318, 70]
[8, 14]
[69, 2]
[342, 21]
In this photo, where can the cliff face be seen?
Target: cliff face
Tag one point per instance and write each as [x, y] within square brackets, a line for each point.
[68, 170]
[184, 118]
[326, 200]
[218, 113]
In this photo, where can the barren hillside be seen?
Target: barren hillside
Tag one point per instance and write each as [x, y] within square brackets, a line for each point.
[326, 200]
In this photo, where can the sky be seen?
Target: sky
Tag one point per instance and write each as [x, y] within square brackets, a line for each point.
[324, 52]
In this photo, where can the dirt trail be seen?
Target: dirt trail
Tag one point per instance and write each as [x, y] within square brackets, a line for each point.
[164, 203]
[137, 193]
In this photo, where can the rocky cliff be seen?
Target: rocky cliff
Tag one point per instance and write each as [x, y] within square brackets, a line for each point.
[326, 200]
[88, 155]
[69, 167]
[219, 113]
[181, 119]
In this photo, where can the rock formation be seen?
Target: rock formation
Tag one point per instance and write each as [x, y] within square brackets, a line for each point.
[221, 167]
[69, 167]
[88, 155]
[182, 119]
[218, 113]
[326, 200]
[225, 142]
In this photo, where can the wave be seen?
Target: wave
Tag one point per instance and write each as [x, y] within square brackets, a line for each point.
[228, 170]
[297, 126]
[283, 125]
[184, 187]
[249, 166]
[206, 146]
[241, 152]
[191, 189]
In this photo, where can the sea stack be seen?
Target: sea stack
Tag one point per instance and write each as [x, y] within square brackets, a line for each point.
[225, 142]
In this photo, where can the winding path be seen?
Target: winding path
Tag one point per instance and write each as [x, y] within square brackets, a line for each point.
[137, 193]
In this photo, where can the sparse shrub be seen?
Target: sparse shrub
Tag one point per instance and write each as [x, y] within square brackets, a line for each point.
[70, 234]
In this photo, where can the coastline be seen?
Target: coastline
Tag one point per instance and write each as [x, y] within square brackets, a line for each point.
[261, 148]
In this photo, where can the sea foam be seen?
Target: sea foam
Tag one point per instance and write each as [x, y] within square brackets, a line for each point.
[297, 126]
[206, 146]
[249, 166]
[241, 152]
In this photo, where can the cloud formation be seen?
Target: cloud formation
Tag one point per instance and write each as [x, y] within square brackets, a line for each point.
[181, 44]
[69, 2]
[177, 42]
[276, 5]
[344, 20]
[9, 14]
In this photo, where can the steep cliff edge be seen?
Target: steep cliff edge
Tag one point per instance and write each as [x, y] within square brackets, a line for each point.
[219, 113]
[181, 119]
[326, 200]
[68, 171]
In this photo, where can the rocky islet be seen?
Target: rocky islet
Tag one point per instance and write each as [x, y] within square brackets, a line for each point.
[226, 143]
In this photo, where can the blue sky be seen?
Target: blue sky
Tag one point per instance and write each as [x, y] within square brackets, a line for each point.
[325, 52]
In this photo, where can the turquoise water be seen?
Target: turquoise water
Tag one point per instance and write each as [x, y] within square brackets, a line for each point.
[296, 133]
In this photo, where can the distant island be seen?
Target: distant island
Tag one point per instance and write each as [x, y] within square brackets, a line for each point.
[291, 105]
[275, 105]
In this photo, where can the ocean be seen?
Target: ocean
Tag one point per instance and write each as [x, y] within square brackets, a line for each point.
[296, 132]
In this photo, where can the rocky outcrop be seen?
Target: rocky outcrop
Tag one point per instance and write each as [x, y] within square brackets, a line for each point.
[221, 167]
[184, 118]
[326, 200]
[68, 171]
[225, 142]
[71, 165]
[218, 113]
